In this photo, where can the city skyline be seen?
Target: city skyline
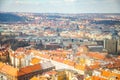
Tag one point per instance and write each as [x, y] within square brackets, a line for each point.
[56, 41]
[60, 6]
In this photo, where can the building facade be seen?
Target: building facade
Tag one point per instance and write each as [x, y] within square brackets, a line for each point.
[112, 46]
[8, 72]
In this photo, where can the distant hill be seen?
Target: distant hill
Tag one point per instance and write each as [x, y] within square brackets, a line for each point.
[9, 17]
[107, 22]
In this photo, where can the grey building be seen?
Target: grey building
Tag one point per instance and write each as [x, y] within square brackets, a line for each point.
[112, 46]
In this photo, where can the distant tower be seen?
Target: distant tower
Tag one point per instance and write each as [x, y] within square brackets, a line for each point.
[118, 47]
[58, 31]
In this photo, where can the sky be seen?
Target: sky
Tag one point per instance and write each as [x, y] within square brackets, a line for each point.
[61, 6]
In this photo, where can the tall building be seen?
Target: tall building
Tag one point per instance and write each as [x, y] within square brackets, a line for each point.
[112, 46]
[118, 48]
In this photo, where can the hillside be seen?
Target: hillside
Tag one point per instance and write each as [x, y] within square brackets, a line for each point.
[9, 17]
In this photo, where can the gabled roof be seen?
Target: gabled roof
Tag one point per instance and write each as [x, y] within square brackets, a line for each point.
[29, 69]
[9, 70]
[6, 69]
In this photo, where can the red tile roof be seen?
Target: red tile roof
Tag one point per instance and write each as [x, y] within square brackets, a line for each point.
[51, 73]
[96, 55]
[29, 69]
[9, 70]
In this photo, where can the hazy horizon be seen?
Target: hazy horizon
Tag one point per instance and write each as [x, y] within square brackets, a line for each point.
[60, 6]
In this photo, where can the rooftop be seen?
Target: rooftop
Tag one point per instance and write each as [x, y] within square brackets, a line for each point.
[9, 70]
[35, 61]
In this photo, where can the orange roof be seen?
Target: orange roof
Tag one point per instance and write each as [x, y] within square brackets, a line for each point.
[1, 53]
[94, 66]
[96, 63]
[80, 67]
[69, 62]
[116, 75]
[8, 69]
[29, 69]
[34, 78]
[1, 65]
[36, 67]
[78, 53]
[51, 73]
[58, 59]
[88, 78]
[118, 57]
[96, 55]
[35, 60]
[106, 73]
[97, 78]
[44, 56]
